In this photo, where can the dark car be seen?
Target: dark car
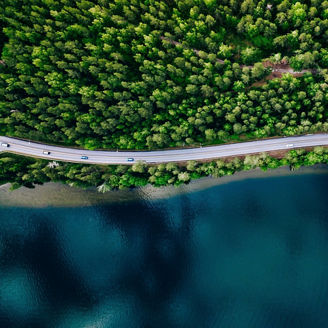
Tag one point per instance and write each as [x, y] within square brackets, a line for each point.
[130, 159]
[84, 157]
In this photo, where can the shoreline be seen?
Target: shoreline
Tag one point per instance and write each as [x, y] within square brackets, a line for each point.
[60, 195]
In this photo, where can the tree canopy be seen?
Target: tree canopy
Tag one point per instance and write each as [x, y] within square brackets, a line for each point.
[136, 74]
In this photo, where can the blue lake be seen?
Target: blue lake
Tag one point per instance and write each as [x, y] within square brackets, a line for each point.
[250, 253]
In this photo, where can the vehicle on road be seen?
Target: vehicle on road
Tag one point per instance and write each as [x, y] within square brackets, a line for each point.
[46, 152]
[171, 155]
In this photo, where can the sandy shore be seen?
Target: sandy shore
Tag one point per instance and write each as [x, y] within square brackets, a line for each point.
[56, 194]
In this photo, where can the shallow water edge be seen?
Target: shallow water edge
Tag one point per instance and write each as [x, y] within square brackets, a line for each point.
[60, 195]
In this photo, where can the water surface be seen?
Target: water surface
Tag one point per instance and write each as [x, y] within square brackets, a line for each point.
[251, 253]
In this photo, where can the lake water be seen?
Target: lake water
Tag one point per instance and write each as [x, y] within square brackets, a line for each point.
[251, 253]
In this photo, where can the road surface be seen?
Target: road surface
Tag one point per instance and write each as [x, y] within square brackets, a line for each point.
[160, 156]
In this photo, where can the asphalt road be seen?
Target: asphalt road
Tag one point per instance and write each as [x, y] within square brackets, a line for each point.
[162, 156]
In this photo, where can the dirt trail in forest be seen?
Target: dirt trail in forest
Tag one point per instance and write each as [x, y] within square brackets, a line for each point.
[277, 69]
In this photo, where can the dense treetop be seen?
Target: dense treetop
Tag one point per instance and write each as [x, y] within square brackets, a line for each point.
[126, 73]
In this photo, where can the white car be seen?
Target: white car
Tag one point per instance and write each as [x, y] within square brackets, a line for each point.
[289, 145]
[4, 144]
[46, 152]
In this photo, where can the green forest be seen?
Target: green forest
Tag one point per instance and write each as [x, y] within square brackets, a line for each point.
[134, 74]
[151, 74]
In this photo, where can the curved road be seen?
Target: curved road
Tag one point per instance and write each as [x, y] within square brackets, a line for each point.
[160, 156]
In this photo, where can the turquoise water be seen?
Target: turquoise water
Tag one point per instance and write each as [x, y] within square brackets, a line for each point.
[251, 253]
